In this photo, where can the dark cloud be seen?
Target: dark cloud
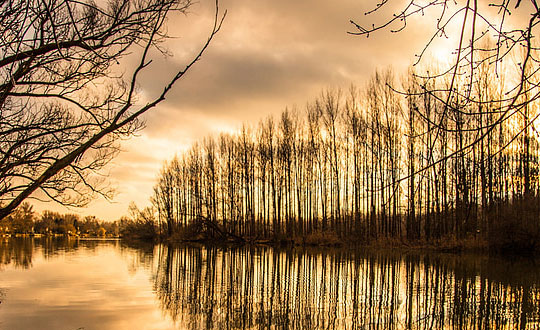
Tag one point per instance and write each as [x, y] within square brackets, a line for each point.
[269, 54]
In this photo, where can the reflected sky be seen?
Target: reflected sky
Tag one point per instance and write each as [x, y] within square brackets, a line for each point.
[69, 284]
[97, 287]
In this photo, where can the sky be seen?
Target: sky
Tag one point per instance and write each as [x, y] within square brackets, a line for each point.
[269, 55]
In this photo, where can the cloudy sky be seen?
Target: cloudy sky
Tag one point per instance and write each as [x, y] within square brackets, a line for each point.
[270, 54]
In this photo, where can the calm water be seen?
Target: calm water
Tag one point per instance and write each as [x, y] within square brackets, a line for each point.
[61, 284]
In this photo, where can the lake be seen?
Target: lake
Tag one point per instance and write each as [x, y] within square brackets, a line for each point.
[109, 284]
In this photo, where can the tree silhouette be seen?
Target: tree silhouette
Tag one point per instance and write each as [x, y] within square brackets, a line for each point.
[62, 108]
[484, 35]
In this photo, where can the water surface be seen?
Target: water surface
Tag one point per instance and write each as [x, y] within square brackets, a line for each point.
[69, 284]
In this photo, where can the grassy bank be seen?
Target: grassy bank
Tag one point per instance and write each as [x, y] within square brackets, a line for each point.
[471, 244]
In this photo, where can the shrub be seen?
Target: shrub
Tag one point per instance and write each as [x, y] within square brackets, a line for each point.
[514, 226]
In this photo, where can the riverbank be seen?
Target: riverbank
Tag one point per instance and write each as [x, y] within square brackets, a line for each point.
[52, 235]
[471, 244]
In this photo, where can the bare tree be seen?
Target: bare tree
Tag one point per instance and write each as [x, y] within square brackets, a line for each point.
[62, 109]
[476, 22]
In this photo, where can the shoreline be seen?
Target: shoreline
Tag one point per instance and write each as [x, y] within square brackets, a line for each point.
[444, 245]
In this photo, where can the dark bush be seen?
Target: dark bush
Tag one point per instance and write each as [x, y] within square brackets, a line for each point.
[514, 226]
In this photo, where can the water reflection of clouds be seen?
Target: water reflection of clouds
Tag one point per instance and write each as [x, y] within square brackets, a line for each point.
[90, 289]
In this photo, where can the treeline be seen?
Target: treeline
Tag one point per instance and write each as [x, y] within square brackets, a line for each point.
[24, 220]
[367, 164]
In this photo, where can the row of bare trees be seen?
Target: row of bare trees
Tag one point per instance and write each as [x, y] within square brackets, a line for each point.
[366, 163]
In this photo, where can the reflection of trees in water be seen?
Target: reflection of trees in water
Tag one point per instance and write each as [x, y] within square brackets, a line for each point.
[20, 252]
[262, 287]
[136, 254]
[51, 247]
